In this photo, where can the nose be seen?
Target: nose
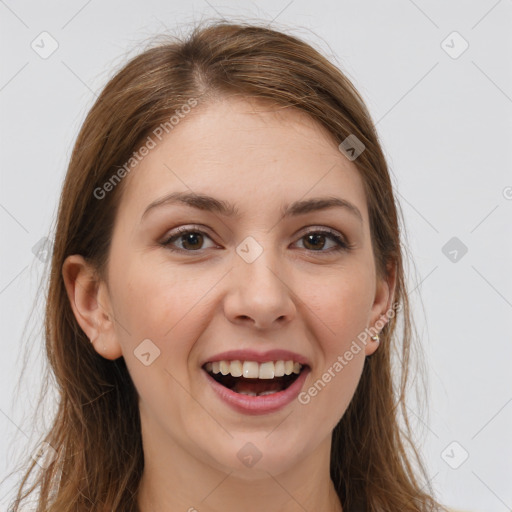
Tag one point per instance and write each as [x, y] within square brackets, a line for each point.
[260, 295]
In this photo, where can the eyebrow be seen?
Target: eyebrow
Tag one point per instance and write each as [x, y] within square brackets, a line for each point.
[209, 203]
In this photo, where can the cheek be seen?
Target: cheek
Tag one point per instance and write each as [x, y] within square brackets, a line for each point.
[327, 398]
[342, 304]
[160, 309]
[168, 306]
[157, 301]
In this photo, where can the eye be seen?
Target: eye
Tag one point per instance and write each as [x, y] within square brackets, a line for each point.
[192, 239]
[315, 241]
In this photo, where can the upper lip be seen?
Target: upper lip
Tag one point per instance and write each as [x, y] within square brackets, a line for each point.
[259, 357]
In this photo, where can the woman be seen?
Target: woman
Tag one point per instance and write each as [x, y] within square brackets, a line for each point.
[226, 283]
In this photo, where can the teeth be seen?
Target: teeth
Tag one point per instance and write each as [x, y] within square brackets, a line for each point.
[266, 393]
[266, 370]
[252, 393]
[235, 368]
[279, 369]
[250, 370]
[254, 370]
[224, 367]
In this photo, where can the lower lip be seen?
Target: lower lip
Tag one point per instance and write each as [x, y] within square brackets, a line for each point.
[259, 404]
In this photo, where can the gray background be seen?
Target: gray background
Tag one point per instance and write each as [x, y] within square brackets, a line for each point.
[445, 121]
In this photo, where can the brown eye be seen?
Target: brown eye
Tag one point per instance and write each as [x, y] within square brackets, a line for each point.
[191, 240]
[316, 240]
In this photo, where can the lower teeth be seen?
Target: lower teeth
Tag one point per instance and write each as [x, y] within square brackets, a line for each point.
[252, 393]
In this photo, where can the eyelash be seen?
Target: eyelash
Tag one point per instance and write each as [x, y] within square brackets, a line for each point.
[342, 245]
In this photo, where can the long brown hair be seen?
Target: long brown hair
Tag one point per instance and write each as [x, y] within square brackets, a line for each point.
[96, 429]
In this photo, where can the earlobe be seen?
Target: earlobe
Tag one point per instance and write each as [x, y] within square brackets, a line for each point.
[90, 306]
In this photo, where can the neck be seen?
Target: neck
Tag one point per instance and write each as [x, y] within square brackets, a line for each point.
[230, 494]
[174, 479]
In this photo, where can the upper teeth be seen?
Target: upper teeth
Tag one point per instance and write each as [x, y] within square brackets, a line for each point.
[254, 370]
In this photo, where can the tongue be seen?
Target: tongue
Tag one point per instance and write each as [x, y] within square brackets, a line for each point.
[257, 385]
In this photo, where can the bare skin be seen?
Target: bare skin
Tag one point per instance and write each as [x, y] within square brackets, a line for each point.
[300, 294]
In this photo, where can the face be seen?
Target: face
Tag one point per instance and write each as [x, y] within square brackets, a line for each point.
[242, 282]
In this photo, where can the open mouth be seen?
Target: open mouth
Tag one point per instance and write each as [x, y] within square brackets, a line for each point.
[255, 379]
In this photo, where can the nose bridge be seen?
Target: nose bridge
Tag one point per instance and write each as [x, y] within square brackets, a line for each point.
[260, 260]
[258, 287]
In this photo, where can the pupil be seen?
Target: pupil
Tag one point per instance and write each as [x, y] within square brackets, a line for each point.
[315, 237]
[190, 238]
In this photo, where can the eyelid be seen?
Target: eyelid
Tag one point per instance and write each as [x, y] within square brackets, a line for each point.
[181, 230]
[314, 228]
[340, 239]
[342, 244]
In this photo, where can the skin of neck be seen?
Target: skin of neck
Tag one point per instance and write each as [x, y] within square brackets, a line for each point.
[174, 479]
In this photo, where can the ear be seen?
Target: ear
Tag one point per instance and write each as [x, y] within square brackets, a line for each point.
[382, 304]
[90, 302]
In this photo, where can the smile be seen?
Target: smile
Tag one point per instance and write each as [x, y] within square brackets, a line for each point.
[252, 378]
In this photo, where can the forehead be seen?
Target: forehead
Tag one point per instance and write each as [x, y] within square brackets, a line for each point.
[246, 152]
